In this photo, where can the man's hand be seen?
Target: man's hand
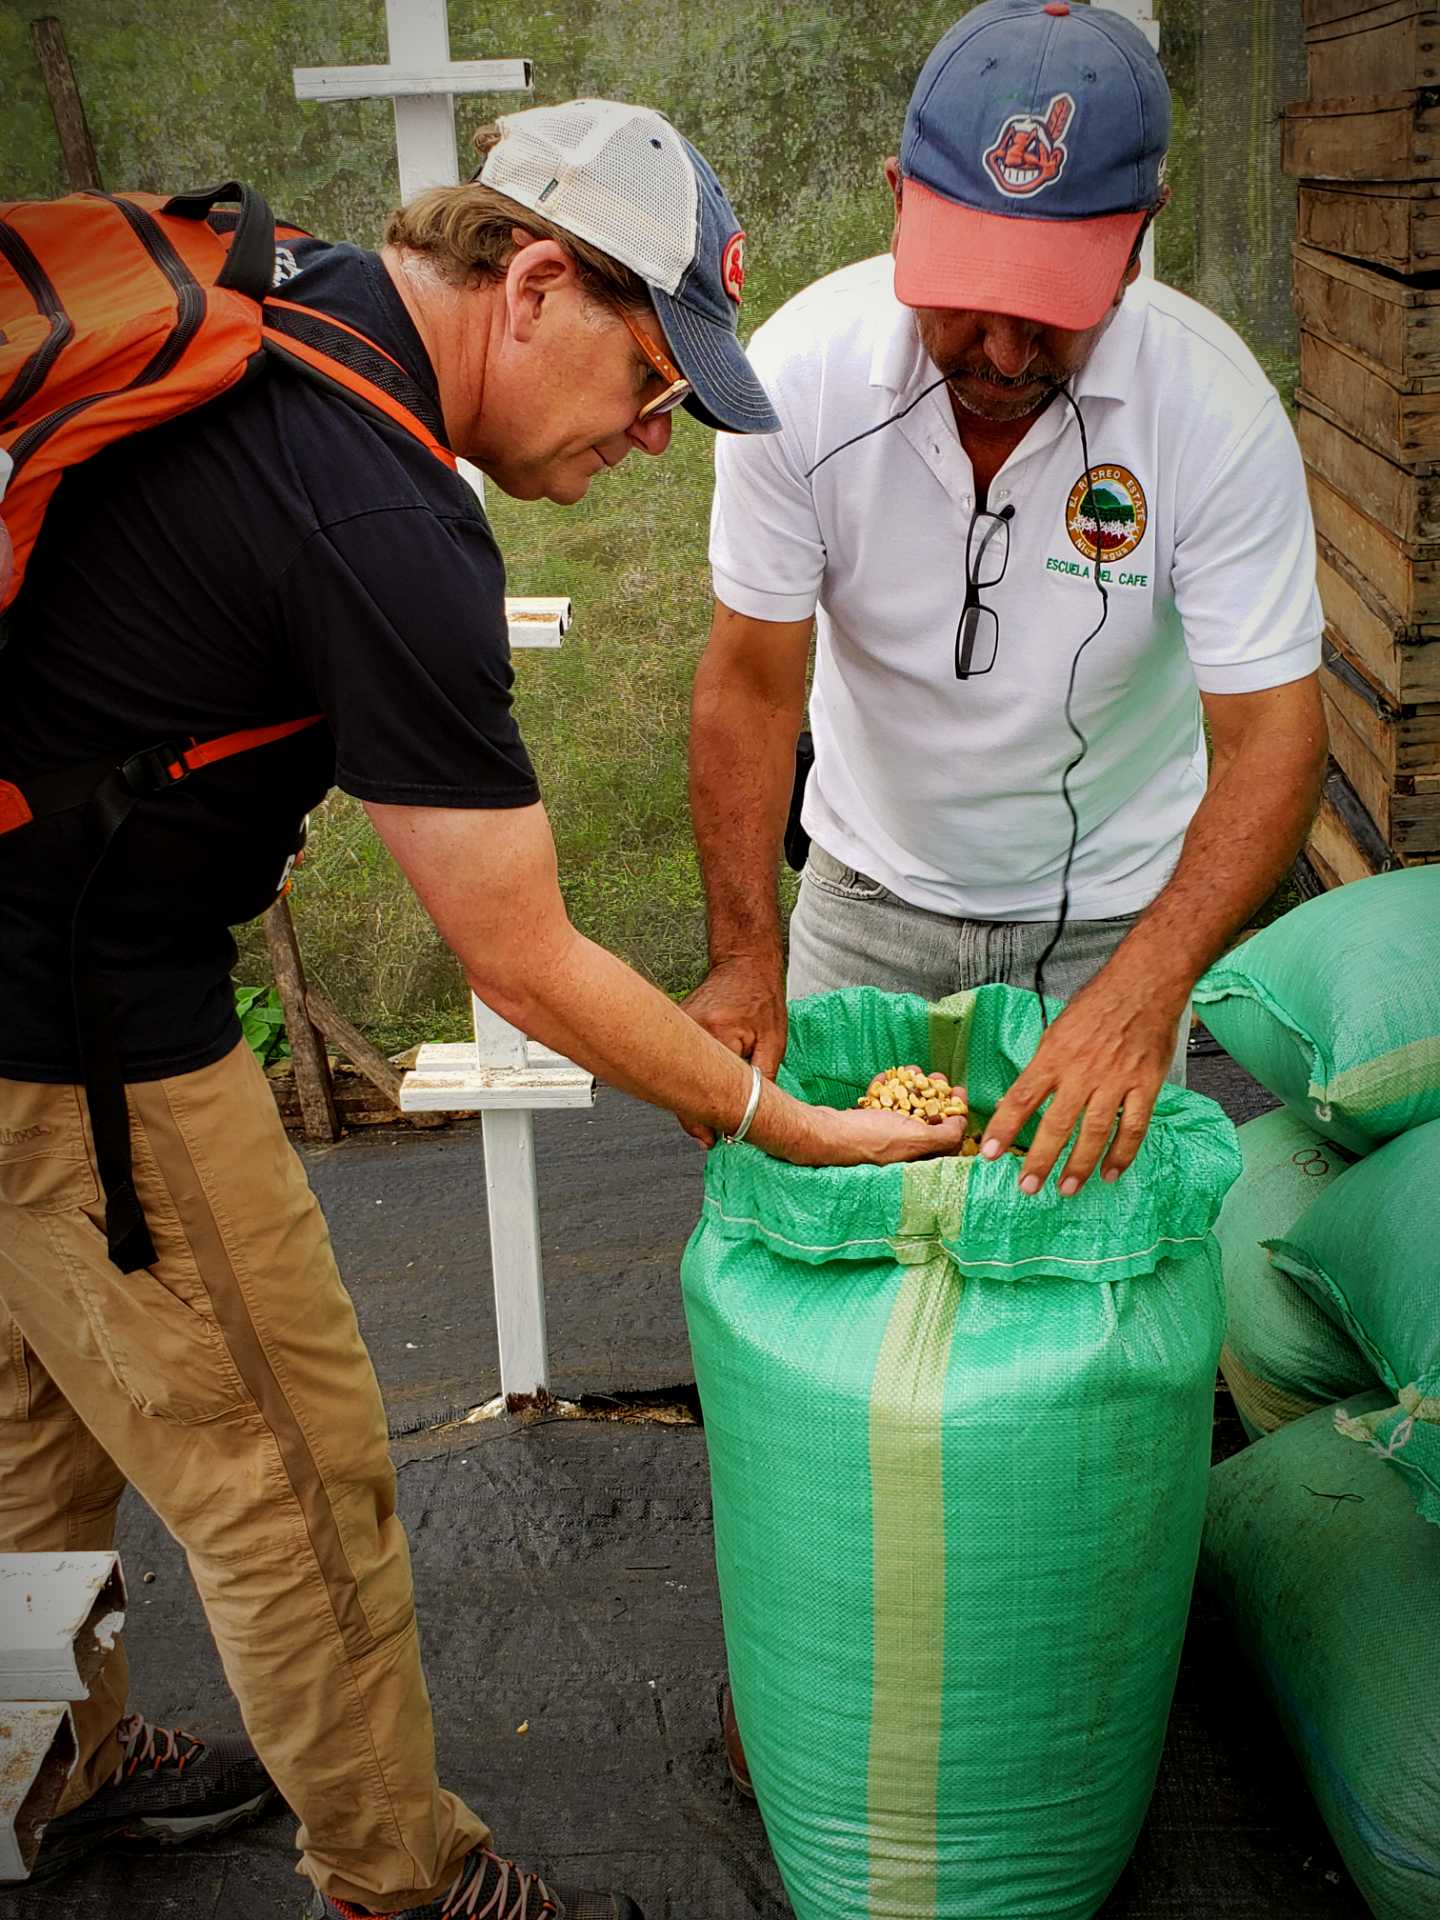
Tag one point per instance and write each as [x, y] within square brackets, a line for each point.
[1108, 1053]
[850, 1137]
[742, 1003]
[1105, 1055]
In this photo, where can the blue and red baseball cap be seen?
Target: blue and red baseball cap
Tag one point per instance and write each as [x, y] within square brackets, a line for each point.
[1034, 145]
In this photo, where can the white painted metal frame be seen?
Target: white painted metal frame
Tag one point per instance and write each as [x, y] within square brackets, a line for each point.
[537, 620]
[388, 83]
[505, 1078]
[60, 1614]
[422, 80]
[38, 1751]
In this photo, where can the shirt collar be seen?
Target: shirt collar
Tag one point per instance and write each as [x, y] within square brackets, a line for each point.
[900, 363]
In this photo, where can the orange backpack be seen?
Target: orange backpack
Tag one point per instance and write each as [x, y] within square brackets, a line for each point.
[119, 312]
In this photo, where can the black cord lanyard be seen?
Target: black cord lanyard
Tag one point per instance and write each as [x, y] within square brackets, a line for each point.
[1087, 501]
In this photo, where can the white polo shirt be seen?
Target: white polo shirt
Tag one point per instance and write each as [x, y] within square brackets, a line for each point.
[946, 790]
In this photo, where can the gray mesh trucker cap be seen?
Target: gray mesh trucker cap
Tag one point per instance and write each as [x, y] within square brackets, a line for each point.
[622, 178]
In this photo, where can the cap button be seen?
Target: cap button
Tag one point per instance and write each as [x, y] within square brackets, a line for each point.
[1057, 7]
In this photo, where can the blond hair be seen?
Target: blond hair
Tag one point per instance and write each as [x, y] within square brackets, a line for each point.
[466, 233]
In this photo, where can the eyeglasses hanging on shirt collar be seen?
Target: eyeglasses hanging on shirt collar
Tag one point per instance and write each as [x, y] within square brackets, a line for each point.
[987, 553]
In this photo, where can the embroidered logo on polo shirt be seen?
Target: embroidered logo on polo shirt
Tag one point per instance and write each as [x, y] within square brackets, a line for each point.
[1109, 522]
[1030, 154]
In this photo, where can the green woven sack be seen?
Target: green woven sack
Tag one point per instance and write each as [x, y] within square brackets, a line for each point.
[1282, 1356]
[1368, 1251]
[1336, 1009]
[958, 1446]
[1332, 1584]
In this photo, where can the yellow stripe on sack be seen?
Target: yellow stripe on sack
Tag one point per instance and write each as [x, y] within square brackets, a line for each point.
[1266, 1406]
[1401, 1074]
[907, 1502]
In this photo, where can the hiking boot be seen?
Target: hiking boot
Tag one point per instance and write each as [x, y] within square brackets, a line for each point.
[489, 1888]
[169, 1788]
[734, 1748]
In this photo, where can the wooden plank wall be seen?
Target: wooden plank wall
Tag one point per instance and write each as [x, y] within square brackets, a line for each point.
[1365, 148]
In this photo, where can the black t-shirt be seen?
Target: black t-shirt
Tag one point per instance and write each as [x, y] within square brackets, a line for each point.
[277, 554]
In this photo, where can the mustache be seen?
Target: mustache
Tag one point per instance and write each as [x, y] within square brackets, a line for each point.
[1007, 383]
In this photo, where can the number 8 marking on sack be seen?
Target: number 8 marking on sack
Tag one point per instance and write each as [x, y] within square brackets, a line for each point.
[1312, 1161]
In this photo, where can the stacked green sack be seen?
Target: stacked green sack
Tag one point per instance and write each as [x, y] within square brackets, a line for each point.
[1336, 1008]
[1368, 1252]
[1324, 1551]
[1332, 1582]
[1283, 1355]
[959, 1442]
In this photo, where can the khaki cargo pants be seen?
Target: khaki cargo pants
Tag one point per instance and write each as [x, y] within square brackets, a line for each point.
[229, 1385]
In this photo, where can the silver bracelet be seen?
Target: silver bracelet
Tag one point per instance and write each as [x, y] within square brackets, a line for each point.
[734, 1139]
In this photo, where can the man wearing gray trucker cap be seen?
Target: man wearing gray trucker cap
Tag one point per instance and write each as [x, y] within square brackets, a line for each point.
[283, 561]
[1040, 513]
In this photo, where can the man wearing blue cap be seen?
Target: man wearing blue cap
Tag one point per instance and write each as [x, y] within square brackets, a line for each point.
[289, 564]
[1041, 515]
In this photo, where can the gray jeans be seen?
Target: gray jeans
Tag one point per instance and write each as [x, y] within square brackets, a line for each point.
[849, 931]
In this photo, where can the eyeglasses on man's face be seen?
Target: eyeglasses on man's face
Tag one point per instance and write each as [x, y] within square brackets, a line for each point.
[987, 553]
[677, 387]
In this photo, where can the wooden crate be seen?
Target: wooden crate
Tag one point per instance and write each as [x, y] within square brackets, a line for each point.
[1369, 739]
[1316, 15]
[1395, 226]
[1405, 741]
[1389, 324]
[1401, 662]
[1406, 503]
[1344, 843]
[1380, 48]
[1402, 422]
[1394, 136]
[1406, 578]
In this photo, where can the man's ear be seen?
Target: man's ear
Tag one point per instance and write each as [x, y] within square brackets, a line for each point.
[1132, 272]
[537, 270]
[896, 182]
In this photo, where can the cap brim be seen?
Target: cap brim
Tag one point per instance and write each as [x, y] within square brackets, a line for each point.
[725, 392]
[1062, 273]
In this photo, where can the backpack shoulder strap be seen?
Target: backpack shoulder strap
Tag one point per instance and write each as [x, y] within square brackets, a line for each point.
[337, 357]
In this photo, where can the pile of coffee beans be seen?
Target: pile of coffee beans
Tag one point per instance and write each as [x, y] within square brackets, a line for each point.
[927, 1096]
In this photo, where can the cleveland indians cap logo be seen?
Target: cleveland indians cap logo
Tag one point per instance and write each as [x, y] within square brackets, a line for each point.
[1029, 154]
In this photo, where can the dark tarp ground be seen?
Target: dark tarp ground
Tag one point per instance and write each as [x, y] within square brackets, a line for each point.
[565, 1579]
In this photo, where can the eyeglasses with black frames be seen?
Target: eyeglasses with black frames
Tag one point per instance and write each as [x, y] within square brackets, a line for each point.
[987, 554]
